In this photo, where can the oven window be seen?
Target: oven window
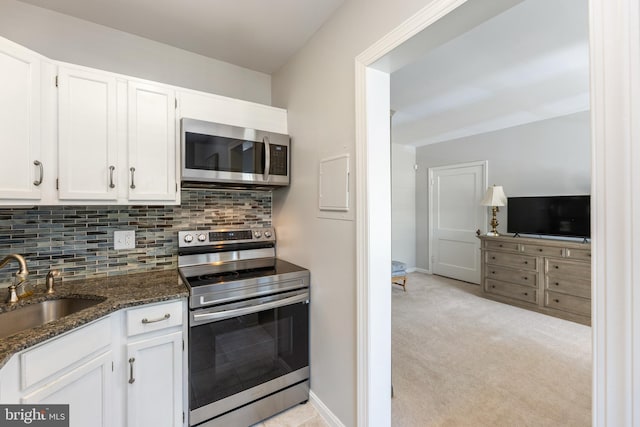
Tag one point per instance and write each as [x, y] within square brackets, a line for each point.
[218, 153]
[233, 355]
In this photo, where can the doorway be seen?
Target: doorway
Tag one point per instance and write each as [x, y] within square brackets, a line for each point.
[455, 214]
[372, 82]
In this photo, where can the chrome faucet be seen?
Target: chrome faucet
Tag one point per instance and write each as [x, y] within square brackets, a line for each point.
[21, 275]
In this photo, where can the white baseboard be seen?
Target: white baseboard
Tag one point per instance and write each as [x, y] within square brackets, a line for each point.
[324, 412]
[422, 270]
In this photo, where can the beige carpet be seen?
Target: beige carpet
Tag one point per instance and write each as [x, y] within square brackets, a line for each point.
[461, 360]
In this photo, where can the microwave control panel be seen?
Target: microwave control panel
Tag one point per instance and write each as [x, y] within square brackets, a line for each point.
[278, 154]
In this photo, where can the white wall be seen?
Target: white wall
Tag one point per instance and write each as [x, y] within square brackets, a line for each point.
[317, 87]
[550, 157]
[403, 204]
[64, 38]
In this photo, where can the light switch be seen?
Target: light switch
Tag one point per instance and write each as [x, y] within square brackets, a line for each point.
[124, 239]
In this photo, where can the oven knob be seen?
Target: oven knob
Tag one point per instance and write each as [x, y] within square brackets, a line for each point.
[257, 234]
[188, 238]
[267, 234]
[202, 237]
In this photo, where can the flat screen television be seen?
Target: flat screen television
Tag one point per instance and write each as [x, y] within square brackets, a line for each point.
[550, 215]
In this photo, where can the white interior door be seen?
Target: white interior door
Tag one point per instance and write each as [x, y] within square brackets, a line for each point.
[455, 214]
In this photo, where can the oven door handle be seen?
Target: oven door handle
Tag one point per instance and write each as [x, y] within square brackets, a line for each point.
[226, 314]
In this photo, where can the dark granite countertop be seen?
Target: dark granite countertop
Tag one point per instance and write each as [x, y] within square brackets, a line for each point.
[117, 292]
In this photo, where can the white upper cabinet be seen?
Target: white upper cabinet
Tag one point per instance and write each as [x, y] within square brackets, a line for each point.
[21, 164]
[235, 112]
[99, 137]
[152, 146]
[87, 135]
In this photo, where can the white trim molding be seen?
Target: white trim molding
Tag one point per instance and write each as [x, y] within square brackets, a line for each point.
[374, 215]
[326, 414]
[615, 79]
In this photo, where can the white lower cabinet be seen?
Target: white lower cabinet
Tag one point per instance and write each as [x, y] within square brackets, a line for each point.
[123, 369]
[154, 365]
[154, 391]
[86, 389]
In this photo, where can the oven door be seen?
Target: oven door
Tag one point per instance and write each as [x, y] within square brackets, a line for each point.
[241, 352]
[218, 153]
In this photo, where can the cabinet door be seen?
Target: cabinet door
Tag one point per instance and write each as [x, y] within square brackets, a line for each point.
[87, 390]
[19, 123]
[152, 143]
[87, 144]
[154, 393]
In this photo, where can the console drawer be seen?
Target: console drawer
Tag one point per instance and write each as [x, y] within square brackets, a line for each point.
[509, 246]
[512, 260]
[520, 277]
[568, 303]
[584, 254]
[543, 250]
[568, 285]
[568, 269]
[522, 293]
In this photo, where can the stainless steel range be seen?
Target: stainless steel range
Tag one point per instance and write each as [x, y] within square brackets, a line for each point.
[248, 326]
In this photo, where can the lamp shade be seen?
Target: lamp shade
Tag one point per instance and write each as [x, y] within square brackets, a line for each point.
[494, 196]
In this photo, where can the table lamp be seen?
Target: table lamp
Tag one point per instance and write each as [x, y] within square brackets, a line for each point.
[495, 198]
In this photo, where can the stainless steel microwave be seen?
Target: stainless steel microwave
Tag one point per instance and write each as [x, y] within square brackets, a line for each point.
[220, 155]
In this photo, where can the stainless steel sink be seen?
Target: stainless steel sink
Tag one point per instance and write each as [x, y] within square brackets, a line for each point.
[32, 315]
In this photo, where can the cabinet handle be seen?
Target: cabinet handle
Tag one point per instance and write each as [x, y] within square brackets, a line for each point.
[133, 171]
[557, 300]
[41, 168]
[131, 379]
[500, 245]
[160, 319]
[493, 272]
[493, 286]
[526, 294]
[111, 169]
[526, 262]
[557, 283]
[493, 257]
[556, 267]
[540, 250]
[525, 278]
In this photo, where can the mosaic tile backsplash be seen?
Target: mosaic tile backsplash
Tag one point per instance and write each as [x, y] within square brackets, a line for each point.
[78, 240]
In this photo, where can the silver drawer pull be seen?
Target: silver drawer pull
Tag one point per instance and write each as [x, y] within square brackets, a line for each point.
[111, 169]
[131, 379]
[41, 169]
[133, 183]
[160, 319]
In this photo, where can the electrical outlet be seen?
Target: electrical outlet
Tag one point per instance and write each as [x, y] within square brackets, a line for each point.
[124, 239]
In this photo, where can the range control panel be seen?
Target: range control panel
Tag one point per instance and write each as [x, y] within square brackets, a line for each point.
[225, 236]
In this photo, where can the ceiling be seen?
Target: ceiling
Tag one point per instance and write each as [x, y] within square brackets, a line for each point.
[528, 63]
[256, 34]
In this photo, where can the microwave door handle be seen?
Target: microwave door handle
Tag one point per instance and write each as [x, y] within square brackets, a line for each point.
[267, 157]
[227, 314]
